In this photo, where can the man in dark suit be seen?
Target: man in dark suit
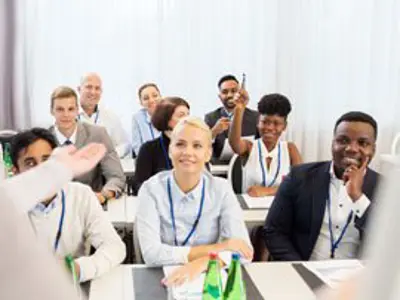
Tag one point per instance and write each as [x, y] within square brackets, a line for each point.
[219, 120]
[67, 130]
[321, 209]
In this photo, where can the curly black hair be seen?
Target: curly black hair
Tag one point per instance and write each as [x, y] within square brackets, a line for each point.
[274, 104]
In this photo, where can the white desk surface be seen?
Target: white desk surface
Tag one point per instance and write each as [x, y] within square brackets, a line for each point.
[128, 165]
[219, 169]
[116, 211]
[273, 280]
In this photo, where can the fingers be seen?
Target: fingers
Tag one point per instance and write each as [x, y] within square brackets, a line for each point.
[91, 151]
[365, 163]
[177, 278]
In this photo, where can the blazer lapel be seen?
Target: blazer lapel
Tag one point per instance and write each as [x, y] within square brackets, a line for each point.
[320, 193]
[81, 135]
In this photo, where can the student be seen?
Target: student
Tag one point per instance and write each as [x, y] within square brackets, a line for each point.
[107, 180]
[185, 213]
[23, 257]
[153, 155]
[267, 159]
[321, 209]
[90, 91]
[66, 221]
[220, 119]
[142, 128]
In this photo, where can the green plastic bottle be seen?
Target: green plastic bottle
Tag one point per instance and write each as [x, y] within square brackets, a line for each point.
[235, 289]
[8, 165]
[212, 288]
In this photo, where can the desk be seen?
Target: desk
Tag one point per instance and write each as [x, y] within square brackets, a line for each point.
[219, 170]
[271, 280]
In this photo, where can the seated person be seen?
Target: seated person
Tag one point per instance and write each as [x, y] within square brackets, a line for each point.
[69, 219]
[267, 159]
[321, 209]
[185, 213]
[142, 128]
[153, 155]
[220, 119]
[90, 91]
[67, 130]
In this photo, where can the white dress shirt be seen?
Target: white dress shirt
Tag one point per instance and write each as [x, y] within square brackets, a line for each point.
[62, 138]
[221, 218]
[84, 221]
[341, 206]
[107, 119]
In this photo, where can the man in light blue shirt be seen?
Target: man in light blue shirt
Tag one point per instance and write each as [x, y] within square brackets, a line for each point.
[185, 213]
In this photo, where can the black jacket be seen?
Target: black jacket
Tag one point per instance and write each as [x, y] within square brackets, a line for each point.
[295, 218]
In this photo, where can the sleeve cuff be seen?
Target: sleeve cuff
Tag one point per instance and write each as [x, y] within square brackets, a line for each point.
[183, 253]
[361, 205]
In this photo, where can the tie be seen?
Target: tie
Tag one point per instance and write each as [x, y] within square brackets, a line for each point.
[67, 142]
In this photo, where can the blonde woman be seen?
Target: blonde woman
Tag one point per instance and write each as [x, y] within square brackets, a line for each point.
[185, 213]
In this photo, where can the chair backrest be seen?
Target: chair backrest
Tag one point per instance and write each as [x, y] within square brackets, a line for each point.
[6, 136]
[235, 173]
[395, 149]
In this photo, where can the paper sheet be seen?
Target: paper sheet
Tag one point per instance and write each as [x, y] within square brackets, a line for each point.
[333, 272]
[227, 151]
[190, 290]
[258, 202]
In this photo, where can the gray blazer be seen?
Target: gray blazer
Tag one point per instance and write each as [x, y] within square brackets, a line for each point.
[108, 174]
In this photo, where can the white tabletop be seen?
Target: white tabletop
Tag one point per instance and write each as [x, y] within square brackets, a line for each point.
[273, 280]
[219, 169]
[128, 166]
[116, 211]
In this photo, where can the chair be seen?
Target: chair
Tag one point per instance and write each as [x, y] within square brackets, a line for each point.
[395, 149]
[235, 173]
[6, 136]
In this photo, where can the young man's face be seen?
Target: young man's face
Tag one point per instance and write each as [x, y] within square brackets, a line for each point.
[36, 153]
[353, 143]
[227, 91]
[65, 112]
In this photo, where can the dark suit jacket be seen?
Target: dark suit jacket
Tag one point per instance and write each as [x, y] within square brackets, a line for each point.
[249, 127]
[150, 160]
[295, 218]
[110, 165]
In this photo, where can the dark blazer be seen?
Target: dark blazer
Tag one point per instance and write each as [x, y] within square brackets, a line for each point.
[109, 167]
[249, 127]
[295, 218]
[150, 160]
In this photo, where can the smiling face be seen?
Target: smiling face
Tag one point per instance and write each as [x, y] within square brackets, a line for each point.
[190, 149]
[90, 92]
[352, 144]
[271, 127]
[227, 91]
[149, 97]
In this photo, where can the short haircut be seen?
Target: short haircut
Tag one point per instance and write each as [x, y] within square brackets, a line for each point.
[274, 104]
[358, 116]
[146, 85]
[194, 122]
[164, 111]
[24, 139]
[226, 78]
[63, 92]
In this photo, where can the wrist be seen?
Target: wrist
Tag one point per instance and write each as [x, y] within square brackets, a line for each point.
[354, 196]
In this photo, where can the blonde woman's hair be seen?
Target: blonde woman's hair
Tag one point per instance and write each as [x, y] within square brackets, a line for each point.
[194, 122]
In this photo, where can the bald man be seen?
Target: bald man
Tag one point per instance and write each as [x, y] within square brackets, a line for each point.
[90, 91]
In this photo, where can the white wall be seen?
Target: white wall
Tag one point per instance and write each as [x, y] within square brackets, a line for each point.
[328, 57]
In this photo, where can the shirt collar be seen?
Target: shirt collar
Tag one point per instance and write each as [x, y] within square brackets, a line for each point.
[179, 195]
[40, 208]
[226, 113]
[62, 139]
[266, 153]
[147, 116]
[83, 114]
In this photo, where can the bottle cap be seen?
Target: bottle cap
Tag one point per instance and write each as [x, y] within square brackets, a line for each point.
[213, 255]
[235, 256]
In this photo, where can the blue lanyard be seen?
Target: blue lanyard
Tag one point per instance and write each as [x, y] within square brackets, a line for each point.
[261, 159]
[165, 152]
[149, 124]
[61, 222]
[335, 244]
[196, 222]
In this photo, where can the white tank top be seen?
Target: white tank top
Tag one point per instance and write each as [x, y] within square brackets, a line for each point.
[255, 171]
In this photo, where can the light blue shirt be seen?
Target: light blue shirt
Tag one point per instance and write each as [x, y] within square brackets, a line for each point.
[221, 218]
[142, 130]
